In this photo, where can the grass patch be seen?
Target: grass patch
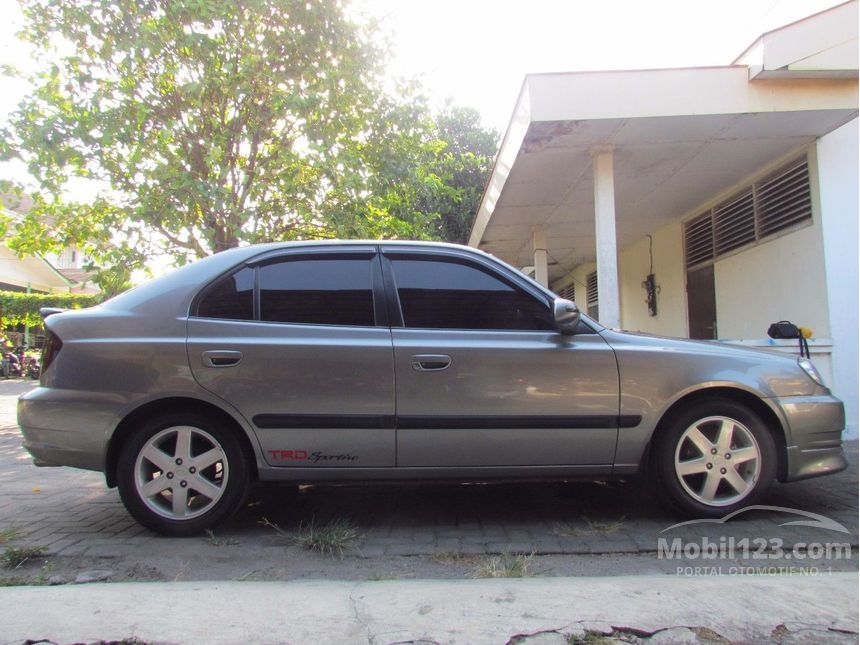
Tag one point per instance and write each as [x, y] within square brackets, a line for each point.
[331, 538]
[11, 533]
[592, 637]
[590, 528]
[505, 566]
[38, 580]
[13, 557]
[214, 540]
[449, 557]
[14, 582]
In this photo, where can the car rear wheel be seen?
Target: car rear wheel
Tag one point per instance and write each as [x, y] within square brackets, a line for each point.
[713, 458]
[179, 474]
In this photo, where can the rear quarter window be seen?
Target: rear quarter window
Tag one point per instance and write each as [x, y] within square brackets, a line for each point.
[231, 298]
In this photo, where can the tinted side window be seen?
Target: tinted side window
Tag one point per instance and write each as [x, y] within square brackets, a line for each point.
[317, 291]
[437, 294]
[232, 297]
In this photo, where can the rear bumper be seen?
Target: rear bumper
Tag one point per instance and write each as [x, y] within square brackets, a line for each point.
[65, 427]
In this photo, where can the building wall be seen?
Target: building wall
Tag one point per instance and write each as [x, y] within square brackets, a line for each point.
[837, 185]
[633, 267]
[780, 279]
[68, 258]
[579, 278]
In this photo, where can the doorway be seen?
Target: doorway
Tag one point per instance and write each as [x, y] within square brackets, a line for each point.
[702, 303]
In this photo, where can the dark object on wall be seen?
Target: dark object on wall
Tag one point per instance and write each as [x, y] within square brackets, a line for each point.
[650, 286]
[786, 329]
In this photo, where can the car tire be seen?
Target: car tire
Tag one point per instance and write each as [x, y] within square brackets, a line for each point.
[712, 458]
[181, 473]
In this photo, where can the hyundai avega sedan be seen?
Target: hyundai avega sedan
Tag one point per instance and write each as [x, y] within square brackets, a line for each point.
[359, 361]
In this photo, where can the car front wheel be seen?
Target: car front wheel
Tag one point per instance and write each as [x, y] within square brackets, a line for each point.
[180, 474]
[713, 458]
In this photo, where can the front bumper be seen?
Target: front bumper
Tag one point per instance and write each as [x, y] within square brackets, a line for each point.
[803, 464]
[815, 425]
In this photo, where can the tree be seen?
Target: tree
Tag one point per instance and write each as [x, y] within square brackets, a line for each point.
[23, 308]
[464, 167]
[209, 123]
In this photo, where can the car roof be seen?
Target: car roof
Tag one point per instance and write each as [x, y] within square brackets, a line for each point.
[181, 283]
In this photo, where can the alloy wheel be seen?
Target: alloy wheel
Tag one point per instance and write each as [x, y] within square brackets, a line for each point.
[181, 472]
[718, 461]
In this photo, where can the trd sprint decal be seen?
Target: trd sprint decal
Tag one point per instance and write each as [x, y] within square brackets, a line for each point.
[313, 458]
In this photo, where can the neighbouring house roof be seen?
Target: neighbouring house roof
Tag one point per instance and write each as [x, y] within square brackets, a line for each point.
[82, 279]
[36, 272]
[32, 271]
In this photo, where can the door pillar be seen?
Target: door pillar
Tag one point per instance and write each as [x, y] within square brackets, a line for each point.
[540, 261]
[609, 301]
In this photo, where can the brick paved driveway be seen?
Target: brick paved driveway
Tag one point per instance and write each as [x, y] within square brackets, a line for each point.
[72, 512]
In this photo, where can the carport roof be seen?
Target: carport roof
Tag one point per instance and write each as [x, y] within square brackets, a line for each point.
[681, 138]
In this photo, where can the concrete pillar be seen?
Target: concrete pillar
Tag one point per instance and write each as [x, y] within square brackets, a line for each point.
[836, 163]
[541, 270]
[609, 300]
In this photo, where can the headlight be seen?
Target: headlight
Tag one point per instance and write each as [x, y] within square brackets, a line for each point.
[807, 366]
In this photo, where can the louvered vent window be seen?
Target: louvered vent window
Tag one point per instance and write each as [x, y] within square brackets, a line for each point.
[591, 295]
[699, 239]
[734, 223]
[568, 293]
[767, 207]
[784, 200]
[591, 288]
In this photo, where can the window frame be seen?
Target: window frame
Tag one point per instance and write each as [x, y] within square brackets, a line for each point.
[370, 253]
[395, 311]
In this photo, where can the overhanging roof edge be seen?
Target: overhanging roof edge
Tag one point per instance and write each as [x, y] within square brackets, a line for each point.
[508, 151]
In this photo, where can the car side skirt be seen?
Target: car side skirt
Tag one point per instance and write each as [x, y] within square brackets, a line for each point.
[474, 473]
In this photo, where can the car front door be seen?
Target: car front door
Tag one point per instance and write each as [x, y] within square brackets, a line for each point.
[483, 377]
[299, 343]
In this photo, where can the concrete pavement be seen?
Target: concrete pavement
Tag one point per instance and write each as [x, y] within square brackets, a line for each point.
[646, 609]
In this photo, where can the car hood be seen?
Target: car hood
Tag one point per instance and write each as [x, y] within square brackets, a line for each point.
[704, 346]
[691, 363]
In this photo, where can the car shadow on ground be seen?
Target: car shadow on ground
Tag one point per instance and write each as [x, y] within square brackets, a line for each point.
[543, 517]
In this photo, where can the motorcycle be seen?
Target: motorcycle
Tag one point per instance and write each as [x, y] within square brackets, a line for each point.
[12, 365]
[16, 364]
[32, 367]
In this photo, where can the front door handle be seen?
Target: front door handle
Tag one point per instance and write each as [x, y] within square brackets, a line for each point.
[221, 358]
[430, 362]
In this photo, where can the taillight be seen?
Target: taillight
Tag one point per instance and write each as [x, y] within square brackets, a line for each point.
[50, 349]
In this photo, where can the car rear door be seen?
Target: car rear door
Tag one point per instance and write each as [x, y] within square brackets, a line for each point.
[299, 343]
[483, 377]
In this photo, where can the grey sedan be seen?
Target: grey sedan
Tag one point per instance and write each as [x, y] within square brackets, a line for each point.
[360, 361]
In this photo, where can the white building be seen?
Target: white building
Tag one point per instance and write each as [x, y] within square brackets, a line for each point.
[735, 187]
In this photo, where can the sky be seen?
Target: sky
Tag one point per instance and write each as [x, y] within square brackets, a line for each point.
[477, 52]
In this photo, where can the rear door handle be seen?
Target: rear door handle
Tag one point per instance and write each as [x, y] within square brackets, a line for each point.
[430, 362]
[221, 358]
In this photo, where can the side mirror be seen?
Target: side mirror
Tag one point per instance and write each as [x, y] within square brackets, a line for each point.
[566, 316]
